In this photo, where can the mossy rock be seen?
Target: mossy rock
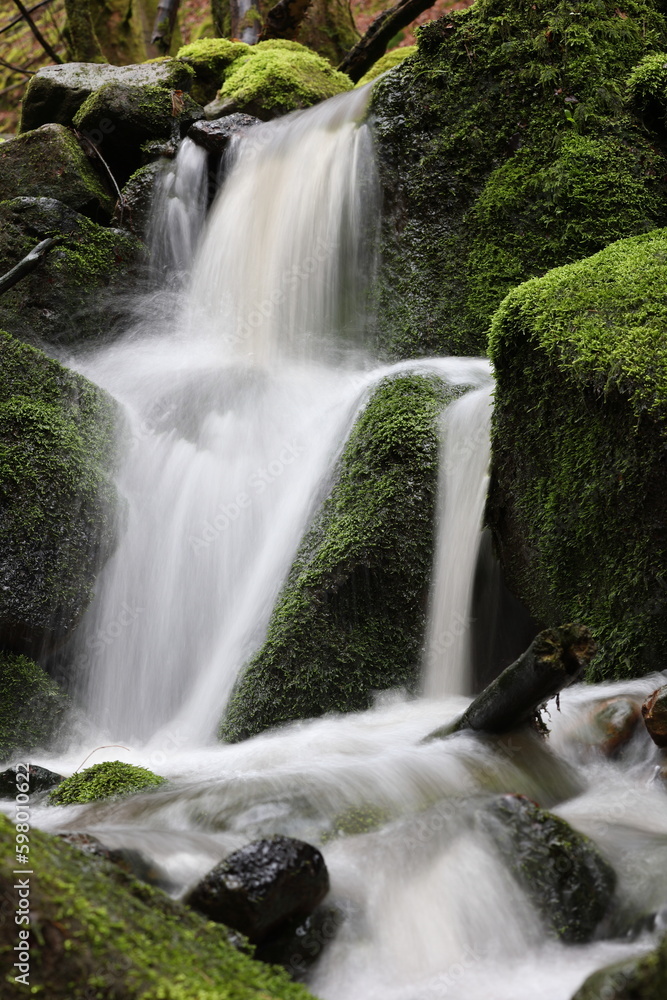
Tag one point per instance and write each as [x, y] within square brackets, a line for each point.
[276, 77]
[577, 498]
[32, 707]
[133, 210]
[210, 58]
[49, 163]
[58, 502]
[127, 116]
[386, 62]
[350, 620]
[642, 978]
[73, 296]
[95, 928]
[506, 148]
[101, 781]
[55, 93]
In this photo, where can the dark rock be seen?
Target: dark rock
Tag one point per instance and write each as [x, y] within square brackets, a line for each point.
[38, 779]
[264, 885]
[55, 93]
[76, 292]
[214, 135]
[563, 873]
[654, 712]
[129, 860]
[49, 163]
[300, 943]
[133, 208]
[643, 978]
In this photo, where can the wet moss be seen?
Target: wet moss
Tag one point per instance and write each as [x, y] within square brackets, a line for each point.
[579, 436]
[506, 148]
[390, 59]
[350, 620]
[32, 707]
[101, 781]
[96, 932]
[210, 58]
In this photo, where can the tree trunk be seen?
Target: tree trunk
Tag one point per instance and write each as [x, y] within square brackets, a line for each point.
[82, 42]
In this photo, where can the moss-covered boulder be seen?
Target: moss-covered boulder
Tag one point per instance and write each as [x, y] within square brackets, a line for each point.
[350, 620]
[133, 208]
[210, 58]
[386, 62]
[102, 781]
[58, 502]
[94, 928]
[577, 499]
[32, 707]
[73, 295]
[642, 978]
[276, 77]
[49, 163]
[563, 873]
[506, 148]
[55, 93]
[134, 115]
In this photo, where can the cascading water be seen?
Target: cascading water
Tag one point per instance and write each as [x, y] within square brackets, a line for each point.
[235, 411]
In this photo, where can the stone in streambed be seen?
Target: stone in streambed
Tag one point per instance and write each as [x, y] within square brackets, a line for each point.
[609, 726]
[214, 136]
[261, 887]
[654, 711]
[38, 779]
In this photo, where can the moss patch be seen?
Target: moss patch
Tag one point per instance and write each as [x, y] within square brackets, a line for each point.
[580, 430]
[351, 618]
[506, 148]
[386, 62]
[102, 781]
[32, 707]
[210, 58]
[96, 932]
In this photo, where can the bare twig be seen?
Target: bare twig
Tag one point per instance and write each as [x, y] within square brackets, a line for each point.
[16, 69]
[25, 13]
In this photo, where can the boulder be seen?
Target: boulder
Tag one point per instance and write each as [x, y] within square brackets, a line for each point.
[610, 726]
[632, 979]
[562, 872]
[276, 77]
[55, 93]
[79, 290]
[58, 501]
[91, 923]
[351, 618]
[654, 712]
[32, 711]
[263, 886]
[134, 115]
[210, 58]
[300, 942]
[38, 779]
[49, 163]
[133, 208]
[504, 150]
[214, 136]
[102, 781]
[576, 500]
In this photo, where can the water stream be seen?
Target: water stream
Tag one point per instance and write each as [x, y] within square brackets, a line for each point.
[237, 404]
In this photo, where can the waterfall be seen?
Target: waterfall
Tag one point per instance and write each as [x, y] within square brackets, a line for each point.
[178, 210]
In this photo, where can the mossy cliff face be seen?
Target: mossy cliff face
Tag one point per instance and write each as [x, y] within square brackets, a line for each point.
[579, 478]
[96, 932]
[57, 498]
[506, 148]
[32, 707]
[350, 620]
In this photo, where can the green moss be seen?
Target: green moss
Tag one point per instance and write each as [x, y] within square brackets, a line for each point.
[386, 62]
[356, 820]
[96, 932]
[102, 781]
[210, 58]
[642, 978]
[276, 77]
[505, 149]
[32, 706]
[57, 498]
[577, 497]
[351, 618]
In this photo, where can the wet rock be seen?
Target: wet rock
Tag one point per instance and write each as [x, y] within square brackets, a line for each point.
[563, 873]
[32, 707]
[55, 93]
[38, 779]
[129, 860]
[214, 135]
[49, 163]
[610, 725]
[654, 712]
[133, 208]
[263, 886]
[643, 978]
[299, 944]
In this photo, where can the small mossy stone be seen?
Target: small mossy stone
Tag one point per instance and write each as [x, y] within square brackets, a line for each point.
[351, 618]
[32, 707]
[578, 481]
[101, 781]
[386, 62]
[124, 939]
[49, 163]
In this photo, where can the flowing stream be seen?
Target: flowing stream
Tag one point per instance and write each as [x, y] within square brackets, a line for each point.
[238, 400]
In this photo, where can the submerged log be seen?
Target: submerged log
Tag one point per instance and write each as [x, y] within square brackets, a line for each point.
[555, 659]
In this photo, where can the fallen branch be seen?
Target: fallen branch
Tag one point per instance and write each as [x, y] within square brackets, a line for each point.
[284, 19]
[25, 266]
[25, 14]
[555, 659]
[374, 43]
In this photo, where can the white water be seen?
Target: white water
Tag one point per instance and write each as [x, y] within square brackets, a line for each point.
[236, 408]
